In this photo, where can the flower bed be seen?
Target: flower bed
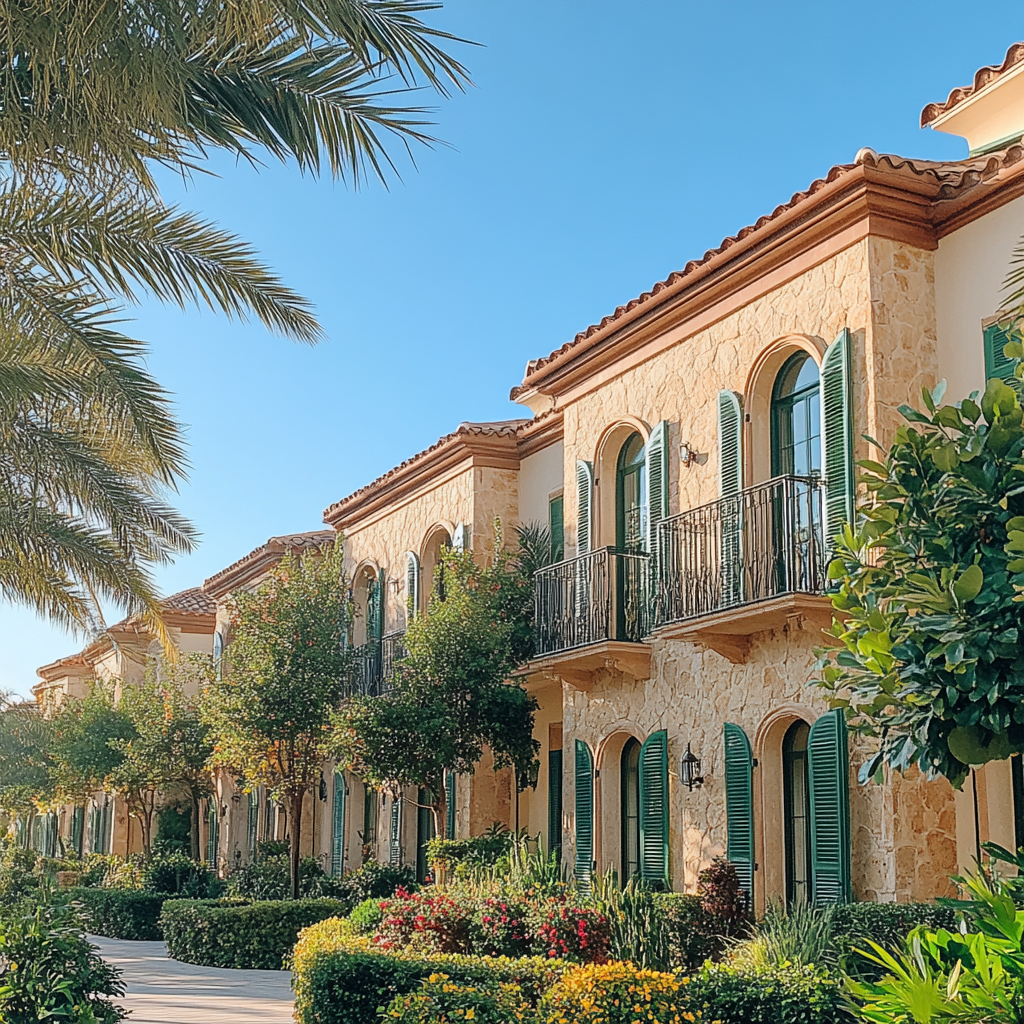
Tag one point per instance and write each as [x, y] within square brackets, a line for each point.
[343, 978]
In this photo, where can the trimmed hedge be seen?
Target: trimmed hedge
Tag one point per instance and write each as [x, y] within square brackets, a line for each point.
[236, 933]
[121, 913]
[341, 978]
[888, 924]
[744, 995]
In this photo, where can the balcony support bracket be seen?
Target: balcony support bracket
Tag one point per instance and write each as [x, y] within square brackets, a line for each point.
[579, 667]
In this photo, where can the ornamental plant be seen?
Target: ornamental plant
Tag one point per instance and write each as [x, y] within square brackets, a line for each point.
[617, 993]
[441, 1000]
[270, 716]
[929, 590]
[571, 932]
[432, 921]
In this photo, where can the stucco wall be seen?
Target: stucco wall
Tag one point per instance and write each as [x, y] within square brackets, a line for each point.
[540, 476]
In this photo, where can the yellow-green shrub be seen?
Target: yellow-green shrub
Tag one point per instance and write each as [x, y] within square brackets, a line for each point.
[617, 993]
[440, 1000]
[342, 978]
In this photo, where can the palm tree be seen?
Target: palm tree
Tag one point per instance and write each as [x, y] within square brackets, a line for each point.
[88, 445]
[92, 92]
[99, 88]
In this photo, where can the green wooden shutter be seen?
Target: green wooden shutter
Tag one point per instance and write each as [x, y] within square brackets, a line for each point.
[449, 799]
[412, 585]
[584, 816]
[338, 825]
[218, 654]
[78, 831]
[213, 834]
[997, 363]
[837, 433]
[739, 805]
[584, 501]
[396, 832]
[554, 800]
[556, 527]
[828, 769]
[657, 482]
[730, 444]
[654, 829]
[252, 823]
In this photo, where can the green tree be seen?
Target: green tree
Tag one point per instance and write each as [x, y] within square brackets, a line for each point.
[25, 781]
[930, 588]
[285, 672]
[453, 694]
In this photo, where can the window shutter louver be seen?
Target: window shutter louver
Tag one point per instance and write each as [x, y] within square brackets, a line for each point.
[837, 434]
[78, 831]
[997, 363]
[730, 444]
[460, 542]
[657, 482]
[213, 837]
[739, 805]
[828, 769]
[449, 799]
[584, 502]
[252, 822]
[338, 825]
[556, 527]
[584, 817]
[218, 653]
[396, 832]
[554, 800]
[654, 833]
[412, 584]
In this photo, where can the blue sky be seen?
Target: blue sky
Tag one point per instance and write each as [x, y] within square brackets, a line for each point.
[603, 145]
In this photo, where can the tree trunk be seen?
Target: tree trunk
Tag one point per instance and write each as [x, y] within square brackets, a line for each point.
[295, 834]
[193, 830]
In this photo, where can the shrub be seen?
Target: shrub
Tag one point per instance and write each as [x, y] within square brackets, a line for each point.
[722, 896]
[270, 879]
[432, 921]
[173, 829]
[365, 918]
[795, 994]
[230, 933]
[53, 973]
[373, 881]
[472, 852]
[179, 875]
[440, 999]
[571, 932]
[340, 978]
[616, 993]
[639, 929]
[693, 935]
[120, 913]
[501, 926]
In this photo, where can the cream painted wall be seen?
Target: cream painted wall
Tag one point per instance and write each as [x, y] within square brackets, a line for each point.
[540, 477]
[970, 267]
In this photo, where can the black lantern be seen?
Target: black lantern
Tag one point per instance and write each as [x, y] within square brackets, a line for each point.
[689, 770]
[323, 787]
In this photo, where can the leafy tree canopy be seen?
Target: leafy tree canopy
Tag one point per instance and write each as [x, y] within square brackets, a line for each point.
[454, 695]
[25, 781]
[930, 589]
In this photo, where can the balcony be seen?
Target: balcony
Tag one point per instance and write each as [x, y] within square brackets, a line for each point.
[744, 564]
[373, 665]
[591, 613]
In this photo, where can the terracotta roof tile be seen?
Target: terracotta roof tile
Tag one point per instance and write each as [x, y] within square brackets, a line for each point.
[259, 558]
[192, 601]
[951, 177]
[500, 428]
[982, 77]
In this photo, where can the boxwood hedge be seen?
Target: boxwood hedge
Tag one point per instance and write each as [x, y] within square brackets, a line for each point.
[120, 913]
[234, 932]
[341, 978]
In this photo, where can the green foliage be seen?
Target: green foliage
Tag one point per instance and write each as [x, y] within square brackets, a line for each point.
[440, 999]
[800, 934]
[52, 971]
[929, 588]
[639, 926]
[269, 879]
[366, 917]
[232, 933]
[25, 780]
[175, 874]
[173, 830]
[270, 716]
[742, 994]
[374, 881]
[120, 913]
[340, 978]
[453, 695]
[471, 852]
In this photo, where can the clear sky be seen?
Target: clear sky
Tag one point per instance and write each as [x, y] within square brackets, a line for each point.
[604, 145]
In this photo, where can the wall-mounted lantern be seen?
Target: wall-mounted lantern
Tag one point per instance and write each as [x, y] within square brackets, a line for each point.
[689, 770]
[686, 453]
[322, 789]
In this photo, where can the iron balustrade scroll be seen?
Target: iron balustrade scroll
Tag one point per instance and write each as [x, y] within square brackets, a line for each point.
[759, 543]
[602, 595]
[373, 665]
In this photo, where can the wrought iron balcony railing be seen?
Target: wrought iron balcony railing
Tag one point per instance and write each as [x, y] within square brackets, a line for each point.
[760, 543]
[602, 595]
[373, 664]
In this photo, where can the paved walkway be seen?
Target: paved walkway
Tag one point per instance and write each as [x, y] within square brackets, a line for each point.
[164, 991]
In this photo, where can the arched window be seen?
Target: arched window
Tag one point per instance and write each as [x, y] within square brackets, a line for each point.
[796, 418]
[630, 787]
[796, 794]
[631, 495]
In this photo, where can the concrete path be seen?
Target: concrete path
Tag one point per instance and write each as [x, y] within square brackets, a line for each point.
[164, 991]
